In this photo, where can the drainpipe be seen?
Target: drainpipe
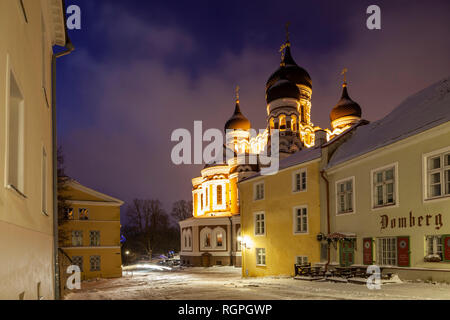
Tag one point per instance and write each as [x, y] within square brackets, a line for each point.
[231, 241]
[327, 183]
[69, 48]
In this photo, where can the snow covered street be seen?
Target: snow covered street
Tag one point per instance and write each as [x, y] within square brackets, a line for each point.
[152, 282]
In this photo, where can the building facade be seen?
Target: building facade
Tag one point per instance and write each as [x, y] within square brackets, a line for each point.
[92, 232]
[28, 32]
[389, 190]
[280, 216]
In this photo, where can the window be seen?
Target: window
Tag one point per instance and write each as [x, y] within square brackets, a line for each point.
[69, 213]
[384, 186]
[259, 224]
[299, 181]
[259, 191]
[77, 238]
[44, 181]
[387, 251]
[78, 261]
[301, 220]
[95, 263]
[94, 237]
[238, 242]
[260, 256]
[83, 214]
[438, 175]
[301, 260]
[344, 196]
[323, 252]
[206, 197]
[15, 177]
[219, 239]
[434, 248]
[219, 195]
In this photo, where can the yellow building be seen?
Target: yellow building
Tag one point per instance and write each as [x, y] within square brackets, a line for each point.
[92, 232]
[28, 32]
[280, 217]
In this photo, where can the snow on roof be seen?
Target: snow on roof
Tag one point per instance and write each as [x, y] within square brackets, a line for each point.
[420, 112]
[297, 158]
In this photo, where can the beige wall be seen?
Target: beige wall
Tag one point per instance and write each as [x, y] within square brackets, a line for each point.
[26, 234]
[365, 222]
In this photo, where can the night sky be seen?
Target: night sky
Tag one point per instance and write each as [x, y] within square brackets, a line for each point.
[143, 69]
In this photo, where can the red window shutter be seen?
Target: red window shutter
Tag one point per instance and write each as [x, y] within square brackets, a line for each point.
[368, 251]
[446, 247]
[403, 259]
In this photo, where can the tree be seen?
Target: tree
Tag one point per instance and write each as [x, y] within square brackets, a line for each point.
[63, 199]
[150, 224]
[181, 210]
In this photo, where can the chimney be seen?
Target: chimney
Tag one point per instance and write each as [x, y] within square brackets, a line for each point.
[320, 138]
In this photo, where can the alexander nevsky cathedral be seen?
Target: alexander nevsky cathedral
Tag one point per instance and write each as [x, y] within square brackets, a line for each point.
[213, 236]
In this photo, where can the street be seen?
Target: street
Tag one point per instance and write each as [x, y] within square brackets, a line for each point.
[151, 282]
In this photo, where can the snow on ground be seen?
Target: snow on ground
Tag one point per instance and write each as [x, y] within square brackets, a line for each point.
[149, 282]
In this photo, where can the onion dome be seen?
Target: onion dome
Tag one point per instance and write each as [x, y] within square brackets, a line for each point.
[291, 71]
[238, 121]
[346, 107]
[283, 88]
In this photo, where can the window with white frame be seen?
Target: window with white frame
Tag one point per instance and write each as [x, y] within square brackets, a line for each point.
[44, 181]
[78, 261]
[301, 219]
[301, 260]
[205, 238]
[259, 191]
[94, 238]
[438, 175]
[434, 247]
[260, 227]
[299, 181]
[77, 238]
[95, 263]
[219, 239]
[15, 155]
[260, 256]
[387, 251]
[384, 186]
[345, 196]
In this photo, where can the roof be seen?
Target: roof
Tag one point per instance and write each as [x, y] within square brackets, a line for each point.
[291, 70]
[238, 121]
[418, 113]
[302, 156]
[345, 107]
[100, 196]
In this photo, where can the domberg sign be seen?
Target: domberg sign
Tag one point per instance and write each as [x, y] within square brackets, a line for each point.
[412, 221]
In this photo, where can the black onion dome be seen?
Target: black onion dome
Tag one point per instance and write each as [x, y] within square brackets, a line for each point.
[283, 88]
[346, 107]
[291, 71]
[238, 121]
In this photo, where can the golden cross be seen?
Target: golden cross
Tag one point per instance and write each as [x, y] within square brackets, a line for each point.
[237, 93]
[344, 73]
[287, 31]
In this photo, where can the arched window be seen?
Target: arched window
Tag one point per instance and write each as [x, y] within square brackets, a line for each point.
[294, 123]
[205, 238]
[282, 123]
[219, 238]
[219, 195]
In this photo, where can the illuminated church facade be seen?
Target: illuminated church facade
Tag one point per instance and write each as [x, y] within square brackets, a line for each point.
[212, 236]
